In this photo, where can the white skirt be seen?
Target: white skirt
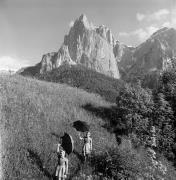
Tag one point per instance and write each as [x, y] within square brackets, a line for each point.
[60, 171]
[86, 148]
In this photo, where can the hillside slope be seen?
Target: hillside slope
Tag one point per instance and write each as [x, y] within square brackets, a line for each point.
[87, 79]
[33, 115]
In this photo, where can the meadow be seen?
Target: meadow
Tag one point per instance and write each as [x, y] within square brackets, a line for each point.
[34, 114]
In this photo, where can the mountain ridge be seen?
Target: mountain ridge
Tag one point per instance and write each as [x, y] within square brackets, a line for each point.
[157, 53]
[95, 47]
[85, 44]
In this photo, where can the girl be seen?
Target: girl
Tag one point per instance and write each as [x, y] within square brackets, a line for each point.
[87, 147]
[62, 168]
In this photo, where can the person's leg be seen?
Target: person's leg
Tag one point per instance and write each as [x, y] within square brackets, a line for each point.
[84, 154]
[84, 158]
[57, 169]
[63, 178]
[88, 157]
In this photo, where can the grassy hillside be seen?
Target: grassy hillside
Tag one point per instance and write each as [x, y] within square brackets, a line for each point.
[87, 79]
[33, 115]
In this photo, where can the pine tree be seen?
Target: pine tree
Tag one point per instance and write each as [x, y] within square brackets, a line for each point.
[163, 119]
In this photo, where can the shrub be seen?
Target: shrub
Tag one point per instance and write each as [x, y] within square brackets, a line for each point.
[130, 164]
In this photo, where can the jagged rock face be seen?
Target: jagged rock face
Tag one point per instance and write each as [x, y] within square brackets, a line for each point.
[92, 47]
[124, 56]
[53, 60]
[154, 55]
[106, 34]
[48, 62]
[85, 44]
[157, 53]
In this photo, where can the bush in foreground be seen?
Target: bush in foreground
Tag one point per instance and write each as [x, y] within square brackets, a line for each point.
[130, 164]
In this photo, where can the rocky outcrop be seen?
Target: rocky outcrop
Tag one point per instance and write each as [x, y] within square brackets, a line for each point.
[53, 60]
[92, 47]
[124, 56]
[106, 34]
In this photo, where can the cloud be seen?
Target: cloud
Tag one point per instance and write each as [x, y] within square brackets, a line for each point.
[150, 23]
[140, 16]
[166, 24]
[155, 16]
[171, 21]
[124, 34]
[173, 18]
[160, 14]
[161, 18]
[71, 24]
[9, 63]
[139, 34]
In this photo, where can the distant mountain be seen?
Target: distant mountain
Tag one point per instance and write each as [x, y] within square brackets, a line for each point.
[96, 48]
[156, 54]
[85, 44]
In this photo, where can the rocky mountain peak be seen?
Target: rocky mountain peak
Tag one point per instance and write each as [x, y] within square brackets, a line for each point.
[83, 18]
[96, 48]
[84, 45]
[92, 47]
[159, 31]
[163, 31]
[155, 54]
[106, 33]
[82, 23]
[165, 35]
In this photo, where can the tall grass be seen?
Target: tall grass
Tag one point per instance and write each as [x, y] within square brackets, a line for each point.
[33, 115]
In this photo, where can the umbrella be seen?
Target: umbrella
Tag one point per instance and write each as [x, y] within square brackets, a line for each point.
[67, 143]
[81, 126]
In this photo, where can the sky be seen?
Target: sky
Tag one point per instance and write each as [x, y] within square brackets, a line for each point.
[31, 28]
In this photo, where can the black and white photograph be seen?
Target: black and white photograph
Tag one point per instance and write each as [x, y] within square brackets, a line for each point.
[87, 89]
